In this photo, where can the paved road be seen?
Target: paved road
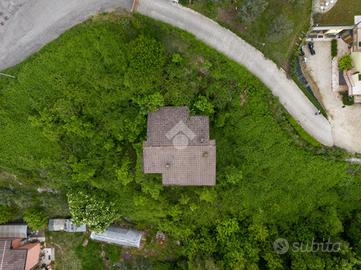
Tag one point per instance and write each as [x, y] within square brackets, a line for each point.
[37, 22]
[30, 24]
[296, 103]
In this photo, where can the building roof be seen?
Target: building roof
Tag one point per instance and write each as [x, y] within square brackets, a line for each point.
[179, 148]
[353, 78]
[119, 236]
[13, 231]
[65, 225]
[23, 257]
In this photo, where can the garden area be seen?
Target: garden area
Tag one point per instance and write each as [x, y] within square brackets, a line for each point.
[73, 122]
[341, 14]
[272, 26]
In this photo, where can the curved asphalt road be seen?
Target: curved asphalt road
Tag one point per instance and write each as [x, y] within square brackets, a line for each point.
[39, 21]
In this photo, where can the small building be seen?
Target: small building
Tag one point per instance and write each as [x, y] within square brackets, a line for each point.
[119, 236]
[14, 231]
[353, 77]
[179, 148]
[17, 255]
[65, 225]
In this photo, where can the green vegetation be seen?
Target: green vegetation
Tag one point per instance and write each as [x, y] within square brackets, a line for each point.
[334, 48]
[36, 218]
[6, 214]
[73, 251]
[66, 246]
[341, 14]
[76, 117]
[272, 26]
[93, 207]
[295, 75]
[345, 62]
[347, 100]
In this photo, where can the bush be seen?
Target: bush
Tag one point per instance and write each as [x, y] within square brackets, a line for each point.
[6, 214]
[36, 218]
[280, 28]
[345, 62]
[347, 100]
[251, 9]
[92, 207]
[334, 48]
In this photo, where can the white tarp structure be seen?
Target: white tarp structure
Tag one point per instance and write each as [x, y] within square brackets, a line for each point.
[119, 236]
[66, 225]
[13, 231]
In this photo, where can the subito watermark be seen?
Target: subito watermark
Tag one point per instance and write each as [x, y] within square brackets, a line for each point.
[282, 246]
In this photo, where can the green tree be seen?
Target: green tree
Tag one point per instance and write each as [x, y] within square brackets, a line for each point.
[146, 60]
[345, 62]
[93, 207]
[6, 214]
[36, 218]
[204, 106]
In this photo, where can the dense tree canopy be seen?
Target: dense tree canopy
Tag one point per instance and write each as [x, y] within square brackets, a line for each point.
[76, 115]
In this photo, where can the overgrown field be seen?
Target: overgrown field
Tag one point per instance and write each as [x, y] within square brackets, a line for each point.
[74, 120]
[272, 26]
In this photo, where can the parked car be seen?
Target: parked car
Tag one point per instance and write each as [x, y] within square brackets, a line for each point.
[311, 48]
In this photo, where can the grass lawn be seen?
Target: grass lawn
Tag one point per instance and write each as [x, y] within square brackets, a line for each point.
[70, 254]
[257, 32]
[65, 245]
[341, 14]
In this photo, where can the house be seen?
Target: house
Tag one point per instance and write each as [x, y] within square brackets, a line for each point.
[66, 225]
[178, 147]
[18, 256]
[347, 81]
[119, 236]
[353, 77]
[16, 252]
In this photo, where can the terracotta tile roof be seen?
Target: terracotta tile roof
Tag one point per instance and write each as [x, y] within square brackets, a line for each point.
[179, 148]
[18, 257]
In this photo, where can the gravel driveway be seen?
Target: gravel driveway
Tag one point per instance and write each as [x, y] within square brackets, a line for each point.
[345, 121]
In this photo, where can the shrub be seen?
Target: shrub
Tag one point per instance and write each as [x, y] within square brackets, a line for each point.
[347, 100]
[6, 214]
[280, 28]
[251, 9]
[93, 207]
[345, 62]
[36, 218]
[334, 48]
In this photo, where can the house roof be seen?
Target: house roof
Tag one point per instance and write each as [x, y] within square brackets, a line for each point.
[119, 236]
[13, 231]
[12, 259]
[179, 148]
[65, 225]
[23, 257]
